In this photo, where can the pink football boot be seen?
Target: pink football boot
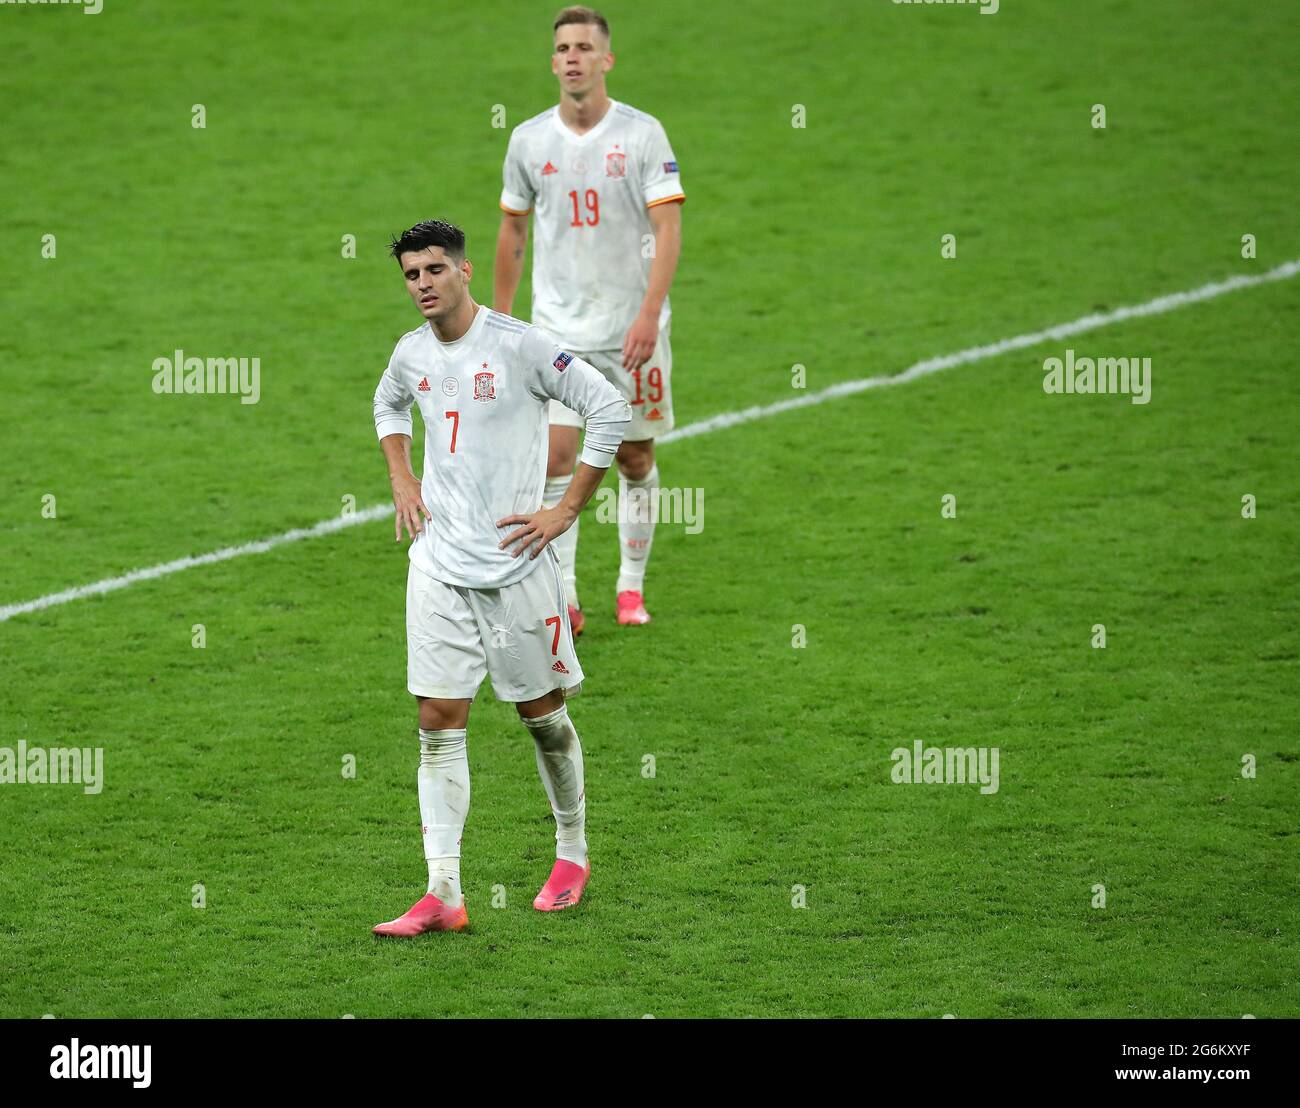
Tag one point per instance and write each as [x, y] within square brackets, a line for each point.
[563, 889]
[426, 914]
[631, 608]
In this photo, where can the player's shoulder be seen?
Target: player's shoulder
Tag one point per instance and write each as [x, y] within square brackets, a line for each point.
[529, 340]
[504, 329]
[529, 127]
[635, 117]
[502, 323]
[411, 337]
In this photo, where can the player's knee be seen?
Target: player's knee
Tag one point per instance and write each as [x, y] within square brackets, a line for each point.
[562, 450]
[542, 706]
[636, 466]
[560, 462]
[441, 715]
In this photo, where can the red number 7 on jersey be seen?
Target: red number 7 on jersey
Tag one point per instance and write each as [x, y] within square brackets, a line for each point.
[455, 426]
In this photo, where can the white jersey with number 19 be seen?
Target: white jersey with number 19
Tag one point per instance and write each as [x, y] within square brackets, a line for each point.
[590, 195]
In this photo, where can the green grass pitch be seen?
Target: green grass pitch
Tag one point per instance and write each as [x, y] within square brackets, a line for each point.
[817, 246]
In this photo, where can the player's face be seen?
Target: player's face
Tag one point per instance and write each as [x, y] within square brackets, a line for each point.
[436, 282]
[581, 58]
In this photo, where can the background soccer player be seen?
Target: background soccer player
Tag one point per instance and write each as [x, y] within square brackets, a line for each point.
[474, 606]
[601, 182]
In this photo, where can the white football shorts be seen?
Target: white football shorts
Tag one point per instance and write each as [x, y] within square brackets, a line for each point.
[518, 635]
[652, 406]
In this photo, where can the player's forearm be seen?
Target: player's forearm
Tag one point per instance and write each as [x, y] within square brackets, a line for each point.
[586, 480]
[512, 241]
[397, 453]
[663, 267]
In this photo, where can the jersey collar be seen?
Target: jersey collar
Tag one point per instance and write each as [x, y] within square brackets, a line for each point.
[467, 339]
[573, 136]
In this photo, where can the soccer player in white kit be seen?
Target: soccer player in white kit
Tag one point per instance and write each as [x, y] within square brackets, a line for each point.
[475, 605]
[602, 185]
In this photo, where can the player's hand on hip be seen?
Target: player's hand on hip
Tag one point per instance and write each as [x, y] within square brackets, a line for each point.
[536, 530]
[639, 342]
[409, 504]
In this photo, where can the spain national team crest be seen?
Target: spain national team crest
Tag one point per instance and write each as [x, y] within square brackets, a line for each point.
[483, 389]
[615, 165]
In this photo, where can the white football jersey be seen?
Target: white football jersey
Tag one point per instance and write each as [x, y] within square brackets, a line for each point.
[483, 400]
[590, 196]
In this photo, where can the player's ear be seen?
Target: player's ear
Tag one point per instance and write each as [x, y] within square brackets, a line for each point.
[609, 61]
[467, 269]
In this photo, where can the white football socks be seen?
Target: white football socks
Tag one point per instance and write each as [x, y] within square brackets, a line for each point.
[566, 546]
[443, 780]
[638, 509]
[559, 761]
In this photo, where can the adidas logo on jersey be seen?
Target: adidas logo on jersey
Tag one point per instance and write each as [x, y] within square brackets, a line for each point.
[423, 386]
[548, 169]
[560, 667]
[654, 413]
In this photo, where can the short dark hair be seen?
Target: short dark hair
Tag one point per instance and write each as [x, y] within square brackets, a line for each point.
[578, 14]
[432, 232]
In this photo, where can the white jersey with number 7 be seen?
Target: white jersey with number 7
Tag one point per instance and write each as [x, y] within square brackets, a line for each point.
[483, 400]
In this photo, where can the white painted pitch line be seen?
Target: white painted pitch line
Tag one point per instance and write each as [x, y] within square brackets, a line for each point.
[111, 584]
[1158, 306]
[978, 353]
